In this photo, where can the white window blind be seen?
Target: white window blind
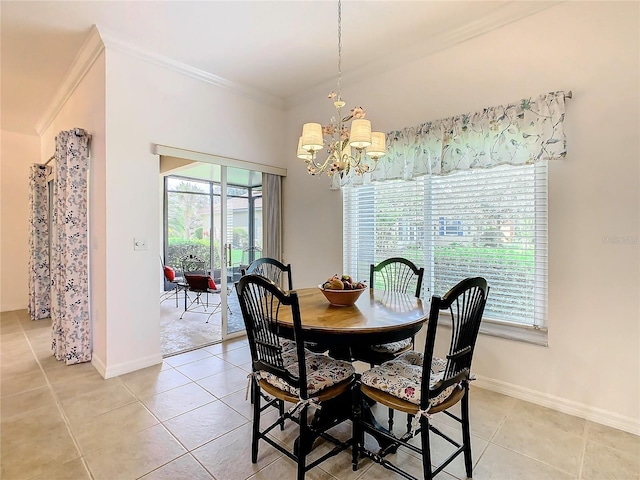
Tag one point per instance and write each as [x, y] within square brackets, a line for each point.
[382, 220]
[490, 223]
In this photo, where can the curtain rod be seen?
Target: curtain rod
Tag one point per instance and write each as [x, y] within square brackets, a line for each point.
[569, 94]
[79, 133]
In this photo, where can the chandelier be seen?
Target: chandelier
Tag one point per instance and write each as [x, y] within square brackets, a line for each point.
[355, 149]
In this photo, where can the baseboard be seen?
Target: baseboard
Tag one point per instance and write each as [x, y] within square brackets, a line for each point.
[13, 306]
[563, 405]
[126, 367]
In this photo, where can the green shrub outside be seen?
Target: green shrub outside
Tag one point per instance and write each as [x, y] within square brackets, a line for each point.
[179, 248]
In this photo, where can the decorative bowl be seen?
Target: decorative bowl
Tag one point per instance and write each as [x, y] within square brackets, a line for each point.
[342, 298]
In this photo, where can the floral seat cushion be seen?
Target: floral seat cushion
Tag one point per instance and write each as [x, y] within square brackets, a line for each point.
[392, 347]
[322, 372]
[402, 376]
[287, 344]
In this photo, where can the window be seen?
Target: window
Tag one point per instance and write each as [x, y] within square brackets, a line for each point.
[489, 222]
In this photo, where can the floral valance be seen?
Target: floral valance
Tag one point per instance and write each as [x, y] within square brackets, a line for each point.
[515, 134]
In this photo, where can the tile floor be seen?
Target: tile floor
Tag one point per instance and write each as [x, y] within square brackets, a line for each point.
[188, 419]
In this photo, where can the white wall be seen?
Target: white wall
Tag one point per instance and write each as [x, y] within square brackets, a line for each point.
[591, 366]
[17, 153]
[85, 108]
[148, 104]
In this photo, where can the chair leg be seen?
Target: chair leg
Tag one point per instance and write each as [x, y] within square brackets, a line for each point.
[255, 392]
[356, 428]
[466, 432]
[426, 448]
[302, 453]
[390, 419]
[281, 412]
[409, 422]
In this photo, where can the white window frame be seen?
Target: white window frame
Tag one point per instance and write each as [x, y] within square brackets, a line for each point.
[362, 199]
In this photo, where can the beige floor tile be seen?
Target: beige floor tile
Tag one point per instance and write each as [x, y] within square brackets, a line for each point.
[20, 367]
[22, 403]
[73, 470]
[32, 441]
[29, 324]
[238, 356]
[9, 331]
[112, 427]
[8, 315]
[153, 380]
[614, 438]
[229, 456]
[22, 383]
[286, 468]
[559, 449]
[203, 424]
[39, 334]
[230, 380]
[177, 401]
[15, 350]
[487, 410]
[185, 467]
[84, 382]
[135, 455]
[76, 374]
[247, 367]
[105, 398]
[498, 463]
[548, 418]
[602, 462]
[240, 402]
[187, 357]
[203, 368]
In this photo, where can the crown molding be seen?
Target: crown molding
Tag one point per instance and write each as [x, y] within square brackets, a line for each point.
[508, 13]
[88, 53]
[119, 45]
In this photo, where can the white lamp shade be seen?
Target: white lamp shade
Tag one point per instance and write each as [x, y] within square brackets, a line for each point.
[378, 145]
[360, 136]
[302, 153]
[311, 137]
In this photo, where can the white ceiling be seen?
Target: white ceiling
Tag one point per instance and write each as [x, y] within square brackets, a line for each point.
[283, 49]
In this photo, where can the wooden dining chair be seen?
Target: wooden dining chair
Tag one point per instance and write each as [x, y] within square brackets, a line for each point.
[297, 375]
[394, 274]
[272, 269]
[423, 385]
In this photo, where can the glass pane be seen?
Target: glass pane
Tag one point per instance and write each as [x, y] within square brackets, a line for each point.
[189, 228]
[177, 184]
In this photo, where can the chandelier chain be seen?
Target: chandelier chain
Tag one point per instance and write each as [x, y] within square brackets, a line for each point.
[339, 50]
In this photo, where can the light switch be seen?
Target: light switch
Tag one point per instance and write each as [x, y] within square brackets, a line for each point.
[139, 243]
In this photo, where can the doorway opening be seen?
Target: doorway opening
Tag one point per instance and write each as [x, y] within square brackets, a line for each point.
[212, 213]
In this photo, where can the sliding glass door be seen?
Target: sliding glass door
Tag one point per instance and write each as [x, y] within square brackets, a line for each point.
[214, 212]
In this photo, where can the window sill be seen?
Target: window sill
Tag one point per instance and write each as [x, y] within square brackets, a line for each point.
[518, 333]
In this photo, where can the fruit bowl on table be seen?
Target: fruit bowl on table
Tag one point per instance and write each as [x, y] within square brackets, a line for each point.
[341, 298]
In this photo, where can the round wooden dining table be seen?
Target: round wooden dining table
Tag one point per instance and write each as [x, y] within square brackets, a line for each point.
[378, 316]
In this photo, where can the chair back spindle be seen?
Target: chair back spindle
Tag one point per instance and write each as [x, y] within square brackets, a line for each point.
[465, 304]
[397, 274]
[272, 269]
[261, 302]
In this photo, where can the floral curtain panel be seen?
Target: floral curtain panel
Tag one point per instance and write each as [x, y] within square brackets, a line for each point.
[39, 279]
[71, 335]
[519, 133]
